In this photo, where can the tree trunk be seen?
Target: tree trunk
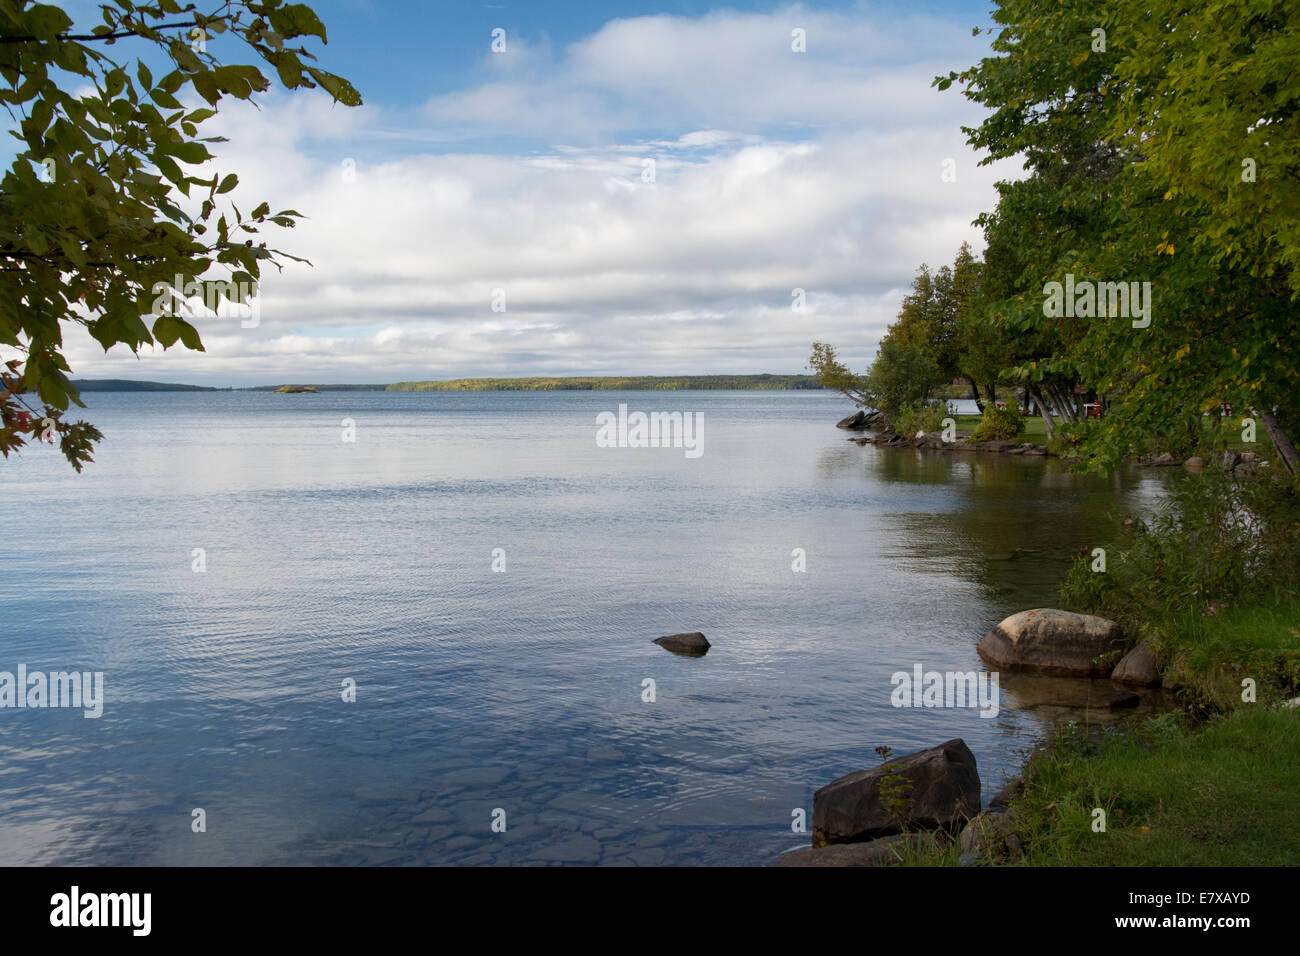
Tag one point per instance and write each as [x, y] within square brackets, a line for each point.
[975, 394]
[1065, 407]
[1048, 392]
[1037, 396]
[1067, 402]
[1286, 452]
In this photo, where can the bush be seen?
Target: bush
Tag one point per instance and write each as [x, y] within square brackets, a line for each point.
[1214, 578]
[998, 424]
[920, 417]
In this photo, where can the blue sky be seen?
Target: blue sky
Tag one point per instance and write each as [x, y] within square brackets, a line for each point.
[630, 188]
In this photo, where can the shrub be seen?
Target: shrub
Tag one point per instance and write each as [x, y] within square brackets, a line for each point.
[920, 417]
[1214, 578]
[998, 424]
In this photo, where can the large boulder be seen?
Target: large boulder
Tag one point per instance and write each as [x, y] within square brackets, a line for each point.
[1058, 643]
[693, 644]
[886, 851]
[1139, 666]
[944, 793]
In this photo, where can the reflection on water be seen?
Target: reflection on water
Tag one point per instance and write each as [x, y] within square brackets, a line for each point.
[476, 690]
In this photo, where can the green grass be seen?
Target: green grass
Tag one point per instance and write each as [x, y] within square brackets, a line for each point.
[1222, 792]
[1223, 796]
[1035, 431]
[1207, 657]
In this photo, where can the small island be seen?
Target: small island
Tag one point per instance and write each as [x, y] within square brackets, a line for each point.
[295, 389]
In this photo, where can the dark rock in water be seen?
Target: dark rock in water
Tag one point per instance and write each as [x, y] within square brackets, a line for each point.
[693, 644]
[853, 421]
[886, 851]
[863, 419]
[944, 794]
[1125, 701]
[1139, 666]
[1054, 642]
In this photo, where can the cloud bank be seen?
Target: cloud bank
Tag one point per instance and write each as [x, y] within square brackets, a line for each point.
[645, 200]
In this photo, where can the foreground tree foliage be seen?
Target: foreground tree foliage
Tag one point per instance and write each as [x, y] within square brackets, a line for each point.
[1160, 144]
[105, 198]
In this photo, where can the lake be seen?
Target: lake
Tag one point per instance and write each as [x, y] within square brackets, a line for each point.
[328, 564]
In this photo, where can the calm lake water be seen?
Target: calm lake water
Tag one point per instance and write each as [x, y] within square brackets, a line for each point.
[371, 561]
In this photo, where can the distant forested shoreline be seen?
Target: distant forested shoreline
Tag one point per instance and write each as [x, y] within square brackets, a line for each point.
[588, 383]
[602, 383]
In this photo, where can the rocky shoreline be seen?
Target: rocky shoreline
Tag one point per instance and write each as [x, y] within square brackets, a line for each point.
[927, 801]
[878, 432]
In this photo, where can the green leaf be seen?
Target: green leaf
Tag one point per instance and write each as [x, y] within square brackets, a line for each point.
[296, 20]
[337, 87]
[45, 22]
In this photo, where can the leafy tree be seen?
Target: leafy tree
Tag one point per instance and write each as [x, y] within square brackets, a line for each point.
[1210, 97]
[906, 370]
[106, 199]
[831, 373]
[979, 352]
[1119, 188]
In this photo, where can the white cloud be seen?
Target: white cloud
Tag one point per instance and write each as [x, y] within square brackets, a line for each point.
[603, 272]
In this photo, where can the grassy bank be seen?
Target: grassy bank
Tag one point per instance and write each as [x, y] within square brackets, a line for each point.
[1223, 793]
[1035, 431]
[1212, 583]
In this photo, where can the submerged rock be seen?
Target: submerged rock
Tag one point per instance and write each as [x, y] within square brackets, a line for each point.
[1058, 643]
[693, 644]
[886, 851]
[944, 793]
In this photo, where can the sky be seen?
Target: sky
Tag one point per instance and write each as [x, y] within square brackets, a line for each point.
[626, 188]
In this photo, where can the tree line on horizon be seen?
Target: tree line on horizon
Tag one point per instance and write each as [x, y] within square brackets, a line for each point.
[1159, 142]
[615, 383]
